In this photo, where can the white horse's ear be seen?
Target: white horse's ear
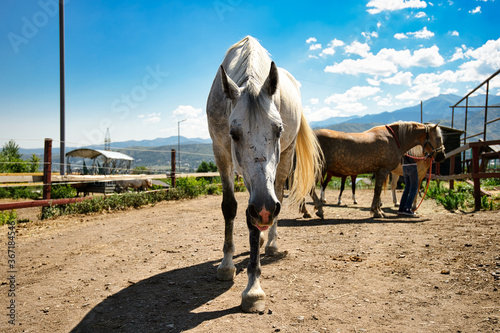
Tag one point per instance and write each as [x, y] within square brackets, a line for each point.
[436, 125]
[230, 88]
[271, 84]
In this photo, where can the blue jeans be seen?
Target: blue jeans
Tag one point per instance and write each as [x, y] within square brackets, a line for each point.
[410, 175]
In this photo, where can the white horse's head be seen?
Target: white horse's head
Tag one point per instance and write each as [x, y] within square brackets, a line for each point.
[255, 126]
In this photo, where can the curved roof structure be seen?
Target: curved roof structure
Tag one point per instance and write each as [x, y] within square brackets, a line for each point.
[94, 153]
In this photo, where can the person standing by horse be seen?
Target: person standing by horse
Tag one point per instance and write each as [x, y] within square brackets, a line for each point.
[410, 174]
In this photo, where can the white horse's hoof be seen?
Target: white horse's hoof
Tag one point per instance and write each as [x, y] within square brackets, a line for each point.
[254, 301]
[271, 250]
[226, 273]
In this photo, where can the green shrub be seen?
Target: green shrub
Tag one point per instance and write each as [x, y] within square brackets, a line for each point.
[62, 192]
[21, 192]
[7, 217]
[461, 197]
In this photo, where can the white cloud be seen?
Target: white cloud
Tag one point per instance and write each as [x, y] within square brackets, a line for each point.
[386, 61]
[330, 50]
[315, 47]
[377, 6]
[150, 118]
[483, 62]
[311, 40]
[400, 35]
[419, 93]
[358, 48]
[401, 78]
[422, 34]
[327, 51]
[385, 101]
[475, 10]
[420, 15]
[336, 42]
[352, 96]
[370, 65]
[369, 35]
[323, 113]
[427, 57]
[454, 33]
[314, 101]
[459, 54]
[186, 111]
[373, 82]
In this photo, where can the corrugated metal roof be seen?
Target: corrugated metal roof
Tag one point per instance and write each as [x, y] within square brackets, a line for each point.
[93, 153]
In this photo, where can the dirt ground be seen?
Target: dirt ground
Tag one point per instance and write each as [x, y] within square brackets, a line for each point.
[153, 270]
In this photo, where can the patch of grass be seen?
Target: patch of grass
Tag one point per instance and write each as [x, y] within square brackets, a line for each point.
[461, 197]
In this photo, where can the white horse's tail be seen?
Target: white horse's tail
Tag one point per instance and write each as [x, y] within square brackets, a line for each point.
[308, 163]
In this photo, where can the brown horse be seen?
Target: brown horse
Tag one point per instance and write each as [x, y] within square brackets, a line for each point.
[423, 165]
[378, 150]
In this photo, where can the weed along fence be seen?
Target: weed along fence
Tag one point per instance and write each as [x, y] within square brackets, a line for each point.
[480, 158]
[47, 179]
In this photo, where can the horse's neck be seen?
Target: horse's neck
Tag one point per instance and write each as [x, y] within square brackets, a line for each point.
[409, 141]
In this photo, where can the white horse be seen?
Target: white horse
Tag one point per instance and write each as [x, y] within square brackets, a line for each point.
[257, 126]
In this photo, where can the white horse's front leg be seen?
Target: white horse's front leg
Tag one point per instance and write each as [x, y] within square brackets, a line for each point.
[226, 270]
[253, 298]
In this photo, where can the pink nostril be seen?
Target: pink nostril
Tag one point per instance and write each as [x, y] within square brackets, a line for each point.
[265, 215]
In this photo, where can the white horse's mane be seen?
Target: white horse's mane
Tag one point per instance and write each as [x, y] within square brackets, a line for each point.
[247, 60]
[248, 64]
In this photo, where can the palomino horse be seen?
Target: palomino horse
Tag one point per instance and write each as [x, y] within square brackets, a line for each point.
[257, 126]
[423, 165]
[378, 150]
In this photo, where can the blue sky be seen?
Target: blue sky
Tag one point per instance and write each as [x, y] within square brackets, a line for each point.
[139, 67]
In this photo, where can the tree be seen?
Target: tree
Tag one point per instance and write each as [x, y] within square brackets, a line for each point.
[207, 167]
[11, 159]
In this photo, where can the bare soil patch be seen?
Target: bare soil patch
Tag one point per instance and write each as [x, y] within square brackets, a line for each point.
[153, 270]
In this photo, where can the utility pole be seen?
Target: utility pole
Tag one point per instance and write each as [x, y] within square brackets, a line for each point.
[62, 120]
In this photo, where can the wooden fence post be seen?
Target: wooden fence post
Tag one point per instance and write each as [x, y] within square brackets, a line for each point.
[475, 178]
[47, 168]
[172, 168]
[452, 171]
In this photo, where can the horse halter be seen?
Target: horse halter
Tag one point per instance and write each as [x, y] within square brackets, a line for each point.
[427, 142]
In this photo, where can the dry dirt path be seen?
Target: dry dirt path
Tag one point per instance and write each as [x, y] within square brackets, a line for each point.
[153, 270]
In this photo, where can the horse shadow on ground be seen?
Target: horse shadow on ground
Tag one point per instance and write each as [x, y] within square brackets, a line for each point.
[332, 218]
[165, 302]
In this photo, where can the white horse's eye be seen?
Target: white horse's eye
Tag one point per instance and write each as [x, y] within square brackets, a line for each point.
[234, 135]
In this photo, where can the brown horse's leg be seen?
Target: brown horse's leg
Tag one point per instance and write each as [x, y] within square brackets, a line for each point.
[380, 177]
[303, 209]
[353, 180]
[342, 186]
[317, 203]
[324, 185]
